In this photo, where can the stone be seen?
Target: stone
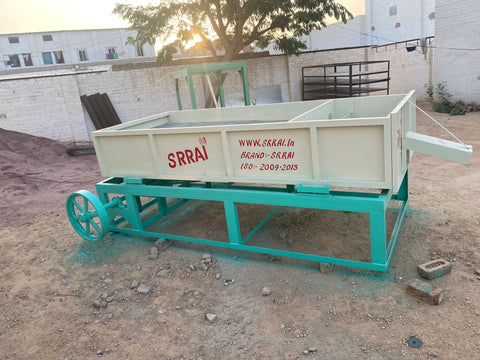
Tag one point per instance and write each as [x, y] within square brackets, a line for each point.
[164, 273]
[425, 292]
[154, 250]
[217, 276]
[325, 268]
[144, 289]
[305, 352]
[477, 272]
[153, 256]
[97, 304]
[206, 259]
[434, 268]
[283, 236]
[162, 244]
[103, 304]
[266, 291]
[134, 284]
[211, 317]
[100, 352]
[109, 299]
[104, 295]
[312, 350]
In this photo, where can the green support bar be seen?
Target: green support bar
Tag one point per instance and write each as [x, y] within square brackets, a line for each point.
[192, 91]
[131, 211]
[220, 69]
[179, 98]
[246, 91]
[220, 79]
[233, 224]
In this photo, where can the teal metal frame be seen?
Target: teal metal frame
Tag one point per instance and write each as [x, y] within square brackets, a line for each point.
[127, 208]
[220, 70]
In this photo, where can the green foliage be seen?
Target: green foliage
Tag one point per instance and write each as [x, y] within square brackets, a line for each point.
[441, 100]
[234, 24]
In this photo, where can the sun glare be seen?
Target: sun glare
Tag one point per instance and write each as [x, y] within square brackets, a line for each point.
[196, 38]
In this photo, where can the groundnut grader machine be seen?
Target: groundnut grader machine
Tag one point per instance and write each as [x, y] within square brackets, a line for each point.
[347, 154]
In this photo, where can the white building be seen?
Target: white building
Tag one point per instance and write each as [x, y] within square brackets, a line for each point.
[384, 22]
[42, 49]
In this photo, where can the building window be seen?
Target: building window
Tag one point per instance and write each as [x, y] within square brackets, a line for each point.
[27, 59]
[393, 10]
[47, 58]
[59, 57]
[139, 51]
[47, 38]
[14, 61]
[13, 39]
[111, 53]
[82, 55]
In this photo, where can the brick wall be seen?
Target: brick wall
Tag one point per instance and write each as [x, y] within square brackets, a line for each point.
[456, 27]
[408, 70]
[48, 107]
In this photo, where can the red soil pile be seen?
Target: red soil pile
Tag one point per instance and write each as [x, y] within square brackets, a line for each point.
[37, 174]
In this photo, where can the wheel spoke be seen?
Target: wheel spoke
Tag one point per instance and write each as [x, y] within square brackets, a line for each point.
[77, 205]
[85, 203]
[94, 224]
[87, 227]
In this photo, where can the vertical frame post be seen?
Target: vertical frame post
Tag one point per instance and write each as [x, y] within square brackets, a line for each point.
[162, 206]
[233, 224]
[179, 99]
[246, 91]
[220, 78]
[192, 90]
[133, 212]
[378, 241]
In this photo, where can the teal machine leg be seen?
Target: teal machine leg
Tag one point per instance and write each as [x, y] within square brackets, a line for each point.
[127, 214]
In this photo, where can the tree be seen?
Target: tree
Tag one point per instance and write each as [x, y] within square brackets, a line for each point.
[230, 25]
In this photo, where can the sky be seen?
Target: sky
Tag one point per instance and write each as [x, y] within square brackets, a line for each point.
[24, 16]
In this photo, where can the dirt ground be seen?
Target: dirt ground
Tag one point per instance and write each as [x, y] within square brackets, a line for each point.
[52, 280]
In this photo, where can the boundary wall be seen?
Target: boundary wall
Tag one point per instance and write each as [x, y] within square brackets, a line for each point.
[48, 103]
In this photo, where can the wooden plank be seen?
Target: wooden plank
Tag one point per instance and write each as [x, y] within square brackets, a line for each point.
[94, 116]
[113, 116]
[98, 104]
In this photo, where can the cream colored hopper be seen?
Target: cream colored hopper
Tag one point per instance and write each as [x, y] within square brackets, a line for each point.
[355, 142]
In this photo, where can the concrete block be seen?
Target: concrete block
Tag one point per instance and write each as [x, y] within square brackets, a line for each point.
[435, 268]
[425, 292]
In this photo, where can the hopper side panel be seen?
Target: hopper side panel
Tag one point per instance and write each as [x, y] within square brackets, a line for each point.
[353, 153]
[126, 155]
